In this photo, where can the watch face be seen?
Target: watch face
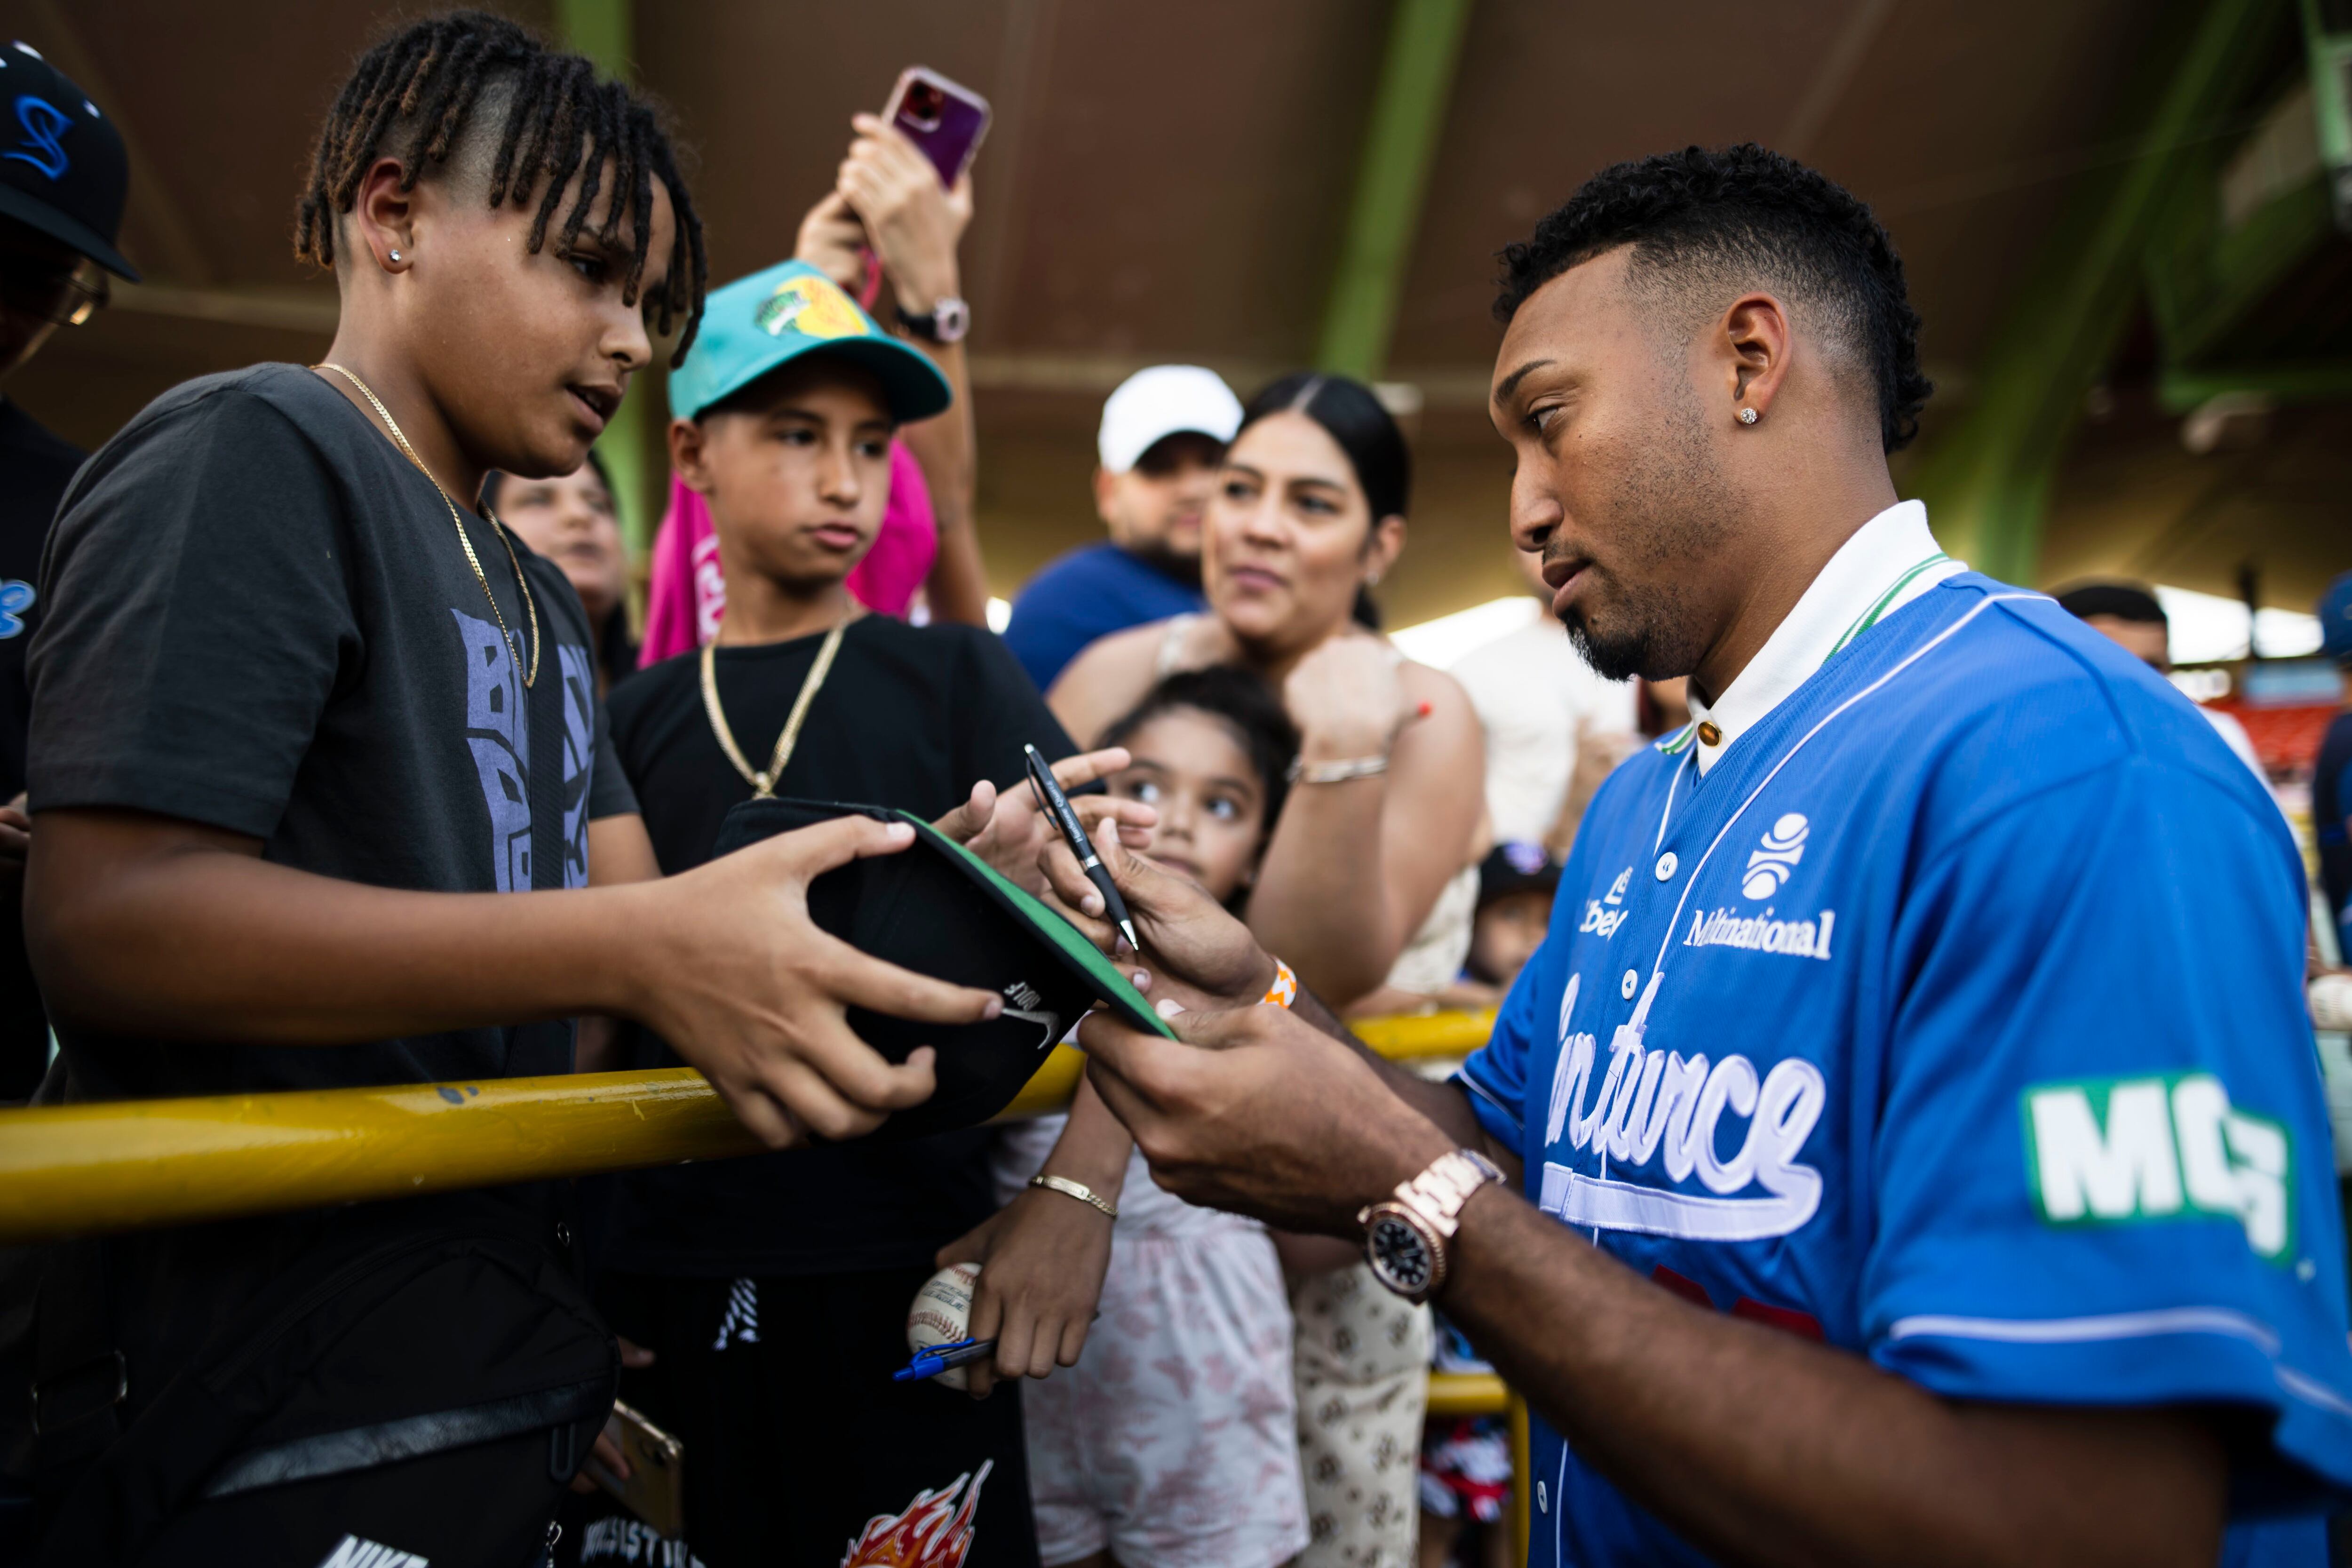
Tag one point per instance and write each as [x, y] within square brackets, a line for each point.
[1400, 1256]
[952, 318]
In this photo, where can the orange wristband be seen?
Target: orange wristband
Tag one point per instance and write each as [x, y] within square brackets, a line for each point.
[1285, 989]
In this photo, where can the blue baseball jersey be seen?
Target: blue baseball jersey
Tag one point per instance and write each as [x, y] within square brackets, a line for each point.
[1953, 1018]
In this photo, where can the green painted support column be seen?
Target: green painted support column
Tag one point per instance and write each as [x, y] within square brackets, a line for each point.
[1408, 116]
[2327, 48]
[606, 31]
[1987, 482]
[603, 30]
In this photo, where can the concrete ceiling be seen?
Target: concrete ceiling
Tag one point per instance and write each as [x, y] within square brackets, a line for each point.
[1171, 181]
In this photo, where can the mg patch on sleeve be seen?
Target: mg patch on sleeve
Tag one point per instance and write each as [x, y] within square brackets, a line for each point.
[2119, 1150]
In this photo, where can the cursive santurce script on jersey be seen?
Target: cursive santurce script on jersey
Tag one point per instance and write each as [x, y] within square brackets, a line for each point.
[1657, 1105]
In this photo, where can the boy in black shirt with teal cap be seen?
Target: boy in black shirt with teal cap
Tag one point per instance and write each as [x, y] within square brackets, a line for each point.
[321, 797]
[774, 1290]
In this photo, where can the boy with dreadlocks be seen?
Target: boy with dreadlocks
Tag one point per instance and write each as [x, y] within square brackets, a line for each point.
[300, 713]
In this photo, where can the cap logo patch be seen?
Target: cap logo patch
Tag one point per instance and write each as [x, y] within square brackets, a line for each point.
[43, 122]
[813, 307]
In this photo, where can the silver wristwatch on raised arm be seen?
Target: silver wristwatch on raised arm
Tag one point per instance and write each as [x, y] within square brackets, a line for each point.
[947, 321]
[1407, 1238]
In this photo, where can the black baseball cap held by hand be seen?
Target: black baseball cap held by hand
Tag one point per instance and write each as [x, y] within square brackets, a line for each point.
[939, 910]
[63, 169]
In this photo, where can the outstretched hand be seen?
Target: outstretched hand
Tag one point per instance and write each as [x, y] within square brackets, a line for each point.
[1008, 826]
[1196, 951]
[832, 240]
[1257, 1112]
[605, 1450]
[747, 989]
[1043, 1258]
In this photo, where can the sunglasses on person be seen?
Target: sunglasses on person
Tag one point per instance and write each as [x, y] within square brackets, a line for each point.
[63, 290]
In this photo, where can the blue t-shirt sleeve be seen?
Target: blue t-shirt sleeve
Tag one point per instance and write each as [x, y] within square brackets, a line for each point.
[1067, 605]
[1040, 635]
[2102, 1165]
[1087, 595]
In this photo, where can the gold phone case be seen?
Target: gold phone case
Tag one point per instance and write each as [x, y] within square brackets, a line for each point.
[653, 1491]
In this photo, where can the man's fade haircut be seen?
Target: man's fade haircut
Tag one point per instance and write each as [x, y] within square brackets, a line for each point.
[439, 90]
[1735, 218]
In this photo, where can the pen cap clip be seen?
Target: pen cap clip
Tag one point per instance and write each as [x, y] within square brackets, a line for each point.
[1049, 794]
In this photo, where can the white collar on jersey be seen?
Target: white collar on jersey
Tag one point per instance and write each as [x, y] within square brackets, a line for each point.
[1890, 561]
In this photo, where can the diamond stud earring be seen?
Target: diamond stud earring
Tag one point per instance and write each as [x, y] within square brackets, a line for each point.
[1747, 415]
[395, 255]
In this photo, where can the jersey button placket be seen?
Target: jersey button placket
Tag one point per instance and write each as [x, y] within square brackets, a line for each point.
[1665, 869]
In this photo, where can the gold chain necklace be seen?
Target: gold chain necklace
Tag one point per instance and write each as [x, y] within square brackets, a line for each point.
[464, 541]
[763, 785]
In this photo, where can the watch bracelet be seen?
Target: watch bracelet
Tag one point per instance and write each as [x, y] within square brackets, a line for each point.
[1439, 1191]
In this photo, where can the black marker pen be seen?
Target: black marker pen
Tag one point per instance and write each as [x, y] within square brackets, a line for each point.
[1057, 805]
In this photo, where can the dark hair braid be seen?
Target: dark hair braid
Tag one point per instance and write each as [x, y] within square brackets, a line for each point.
[418, 90]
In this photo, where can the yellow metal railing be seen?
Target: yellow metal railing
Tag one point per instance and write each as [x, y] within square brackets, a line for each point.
[1483, 1393]
[79, 1170]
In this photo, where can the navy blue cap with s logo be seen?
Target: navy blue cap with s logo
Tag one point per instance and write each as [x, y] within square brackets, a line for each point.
[63, 168]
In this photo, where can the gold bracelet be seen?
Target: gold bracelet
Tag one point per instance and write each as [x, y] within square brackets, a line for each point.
[1078, 1190]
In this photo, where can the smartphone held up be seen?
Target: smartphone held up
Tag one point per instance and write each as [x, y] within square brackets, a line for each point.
[943, 119]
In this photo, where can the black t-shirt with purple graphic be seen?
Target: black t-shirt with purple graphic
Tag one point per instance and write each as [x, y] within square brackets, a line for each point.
[258, 616]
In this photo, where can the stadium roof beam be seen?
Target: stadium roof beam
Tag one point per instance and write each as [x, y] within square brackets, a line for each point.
[1987, 480]
[1400, 144]
[2238, 226]
[2324, 381]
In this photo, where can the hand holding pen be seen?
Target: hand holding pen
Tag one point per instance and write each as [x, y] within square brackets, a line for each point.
[1074, 832]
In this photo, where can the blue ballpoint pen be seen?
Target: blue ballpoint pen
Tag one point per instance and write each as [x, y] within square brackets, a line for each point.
[938, 1359]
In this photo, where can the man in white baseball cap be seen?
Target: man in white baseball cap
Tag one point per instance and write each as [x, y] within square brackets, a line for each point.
[1163, 433]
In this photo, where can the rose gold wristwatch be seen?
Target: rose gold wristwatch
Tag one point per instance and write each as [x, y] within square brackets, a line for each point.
[1406, 1236]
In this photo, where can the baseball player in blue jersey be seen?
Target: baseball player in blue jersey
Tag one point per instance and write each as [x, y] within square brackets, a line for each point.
[1908, 1144]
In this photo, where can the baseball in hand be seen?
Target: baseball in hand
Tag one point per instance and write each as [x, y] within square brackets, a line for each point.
[943, 1314]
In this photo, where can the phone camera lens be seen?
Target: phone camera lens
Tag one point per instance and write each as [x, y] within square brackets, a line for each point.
[924, 105]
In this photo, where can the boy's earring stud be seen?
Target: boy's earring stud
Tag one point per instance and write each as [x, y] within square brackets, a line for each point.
[395, 255]
[1747, 415]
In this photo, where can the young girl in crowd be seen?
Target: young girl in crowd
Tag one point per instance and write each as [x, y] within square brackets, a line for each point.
[1308, 513]
[1173, 1441]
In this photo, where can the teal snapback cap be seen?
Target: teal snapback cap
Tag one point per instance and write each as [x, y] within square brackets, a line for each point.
[772, 318]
